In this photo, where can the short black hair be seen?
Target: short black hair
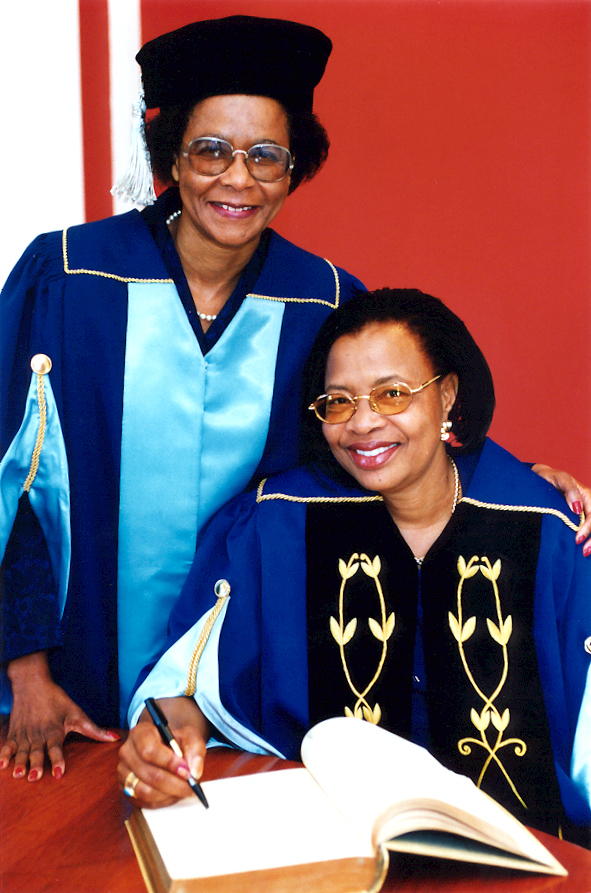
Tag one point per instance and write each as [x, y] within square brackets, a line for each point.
[446, 342]
[308, 140]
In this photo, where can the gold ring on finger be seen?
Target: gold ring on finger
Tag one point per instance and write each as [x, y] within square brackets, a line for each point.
[130, 784]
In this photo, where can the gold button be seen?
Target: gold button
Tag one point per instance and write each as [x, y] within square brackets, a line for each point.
[41, 364]
[588, 644]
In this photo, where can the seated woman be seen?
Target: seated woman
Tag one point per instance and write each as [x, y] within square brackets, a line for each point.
[428, 584]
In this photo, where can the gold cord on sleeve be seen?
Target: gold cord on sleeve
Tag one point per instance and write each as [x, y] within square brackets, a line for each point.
[222, 590]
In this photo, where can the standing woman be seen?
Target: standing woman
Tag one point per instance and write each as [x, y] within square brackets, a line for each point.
[166, 350]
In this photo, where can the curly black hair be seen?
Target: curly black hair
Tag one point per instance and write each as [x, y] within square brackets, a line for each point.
[308, 140]
[443, 337]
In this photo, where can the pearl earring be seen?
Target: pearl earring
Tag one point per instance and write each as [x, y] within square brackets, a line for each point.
[445, 428]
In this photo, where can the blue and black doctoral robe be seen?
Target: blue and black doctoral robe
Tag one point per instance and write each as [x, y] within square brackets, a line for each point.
[143, 437]
[321, 620]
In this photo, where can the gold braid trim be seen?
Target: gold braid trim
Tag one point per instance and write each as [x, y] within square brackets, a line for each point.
[334, 305]
[268, 496]
[40, 433]
[99, 272]
[525, 508]
[224, 592]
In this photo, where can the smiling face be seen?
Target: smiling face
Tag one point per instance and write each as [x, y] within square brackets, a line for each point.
[232, 209]
[397, 453]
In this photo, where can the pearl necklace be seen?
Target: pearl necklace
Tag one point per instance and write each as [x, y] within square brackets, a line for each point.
[419, 561]
[207, 317]
[173, 217]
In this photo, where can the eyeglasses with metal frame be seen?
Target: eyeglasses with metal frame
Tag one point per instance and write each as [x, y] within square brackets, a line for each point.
[386, 399]
[210, 157]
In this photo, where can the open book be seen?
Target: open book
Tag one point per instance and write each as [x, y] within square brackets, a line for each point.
[329, 826]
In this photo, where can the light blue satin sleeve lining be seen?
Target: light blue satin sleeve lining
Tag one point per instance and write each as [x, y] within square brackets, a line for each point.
[50, 490]
[581, 757]
[169, 679]
[49, 494]
[194, 431]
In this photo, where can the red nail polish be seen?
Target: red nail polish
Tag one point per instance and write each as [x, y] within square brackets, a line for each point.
[18, 773]
[58, 772]
[34, 774]
[587, 551]
[577, 508]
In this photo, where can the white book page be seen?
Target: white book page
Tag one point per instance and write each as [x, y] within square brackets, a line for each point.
[364, 770]
[254, 822]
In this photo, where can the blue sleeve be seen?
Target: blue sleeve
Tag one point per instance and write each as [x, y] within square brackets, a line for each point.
[562, 625]
[30, 610]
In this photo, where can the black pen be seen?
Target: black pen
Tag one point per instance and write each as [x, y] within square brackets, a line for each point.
[159, 720]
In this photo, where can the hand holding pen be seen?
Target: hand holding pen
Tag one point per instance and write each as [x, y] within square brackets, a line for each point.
[159, 720]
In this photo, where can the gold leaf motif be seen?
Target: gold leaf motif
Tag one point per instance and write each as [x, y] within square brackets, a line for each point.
[469, 627]
[500, 722]
[343, 633]
[507, 628]
[481, 721]
[349, 631]
[376, 629]
[348, 572]
[454, 625]
[371, 568]
[336, 631]
[390, 623]
[494, 631]
[367, 566]
[490, 715]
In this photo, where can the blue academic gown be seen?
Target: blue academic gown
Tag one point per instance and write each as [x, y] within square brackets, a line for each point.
[145, 437]
[251, 676]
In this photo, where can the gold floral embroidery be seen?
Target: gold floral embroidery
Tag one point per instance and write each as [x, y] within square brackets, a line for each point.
[500, 632]
[343, 633]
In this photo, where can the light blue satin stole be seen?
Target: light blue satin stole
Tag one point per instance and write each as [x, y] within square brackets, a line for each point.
[194, 431]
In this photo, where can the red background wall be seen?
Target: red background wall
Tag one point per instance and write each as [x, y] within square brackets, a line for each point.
[460, 164]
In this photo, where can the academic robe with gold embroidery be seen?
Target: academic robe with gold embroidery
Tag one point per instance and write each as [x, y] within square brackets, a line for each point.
[321, 620]
[142, 437]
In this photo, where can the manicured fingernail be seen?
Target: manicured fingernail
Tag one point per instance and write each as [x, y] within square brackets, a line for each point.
[34, 774]
[19, 772]
[577, 508]
[58, 772]
[183, 770]
[114, 736]
[587, 551]
[3, 764]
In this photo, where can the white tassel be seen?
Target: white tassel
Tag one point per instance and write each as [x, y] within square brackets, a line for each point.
[137, 181]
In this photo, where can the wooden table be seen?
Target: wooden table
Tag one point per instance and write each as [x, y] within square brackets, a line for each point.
[69, 836]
